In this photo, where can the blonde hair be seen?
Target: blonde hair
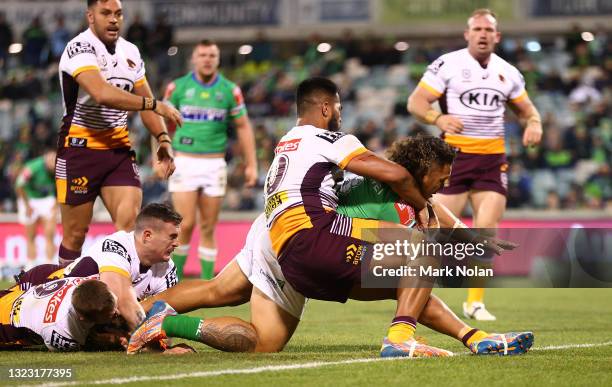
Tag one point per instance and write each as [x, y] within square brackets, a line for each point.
[482, 12]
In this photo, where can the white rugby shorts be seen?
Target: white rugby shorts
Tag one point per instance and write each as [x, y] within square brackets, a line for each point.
[258, 262]
[194, 173]
[41, 208]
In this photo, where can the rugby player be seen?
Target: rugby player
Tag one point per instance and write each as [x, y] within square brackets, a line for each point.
[472, 86]
[208, 102]
[102, 77]
[429, 160]
[134, 265]
[58, 314]
[35, 189]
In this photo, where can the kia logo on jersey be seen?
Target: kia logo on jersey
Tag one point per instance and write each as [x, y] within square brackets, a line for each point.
[483, 99]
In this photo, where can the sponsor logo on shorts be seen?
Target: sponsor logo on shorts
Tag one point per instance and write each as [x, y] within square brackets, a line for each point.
[287, 146]
[62, 342]
[504, 179]
[76, 142]
[354, 253]
[77, 48]
[331, 137]
[276, 283]
[54, 304]
[136, 170]
[274, 201]
[79, 185]
[111, 246]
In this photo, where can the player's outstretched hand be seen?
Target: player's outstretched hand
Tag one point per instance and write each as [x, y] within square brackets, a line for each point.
[498, 246]
[169, 113]
[250, 176]
[449, 124]
[164, 166]
[179, 349]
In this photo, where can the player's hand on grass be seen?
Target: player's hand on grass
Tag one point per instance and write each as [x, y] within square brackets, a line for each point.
[164, 166]
[169, 113]
[250, 176]
[449, 124]
[533, 134]
[179, 349]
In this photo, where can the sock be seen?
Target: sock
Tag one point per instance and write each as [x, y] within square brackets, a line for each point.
[475, 295]
[470, 335]
[207, 262]
[402, 328]
[185, 327]
[179, 257]
[66, 256]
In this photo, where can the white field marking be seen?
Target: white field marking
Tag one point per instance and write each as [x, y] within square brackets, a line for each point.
[275, 368]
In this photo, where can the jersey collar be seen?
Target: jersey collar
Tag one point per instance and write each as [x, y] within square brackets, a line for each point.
[209, 84]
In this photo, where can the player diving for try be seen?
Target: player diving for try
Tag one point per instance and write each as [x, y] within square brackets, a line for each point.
[429, 160]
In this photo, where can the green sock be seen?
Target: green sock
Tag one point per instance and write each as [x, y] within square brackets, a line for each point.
[185, 327]
[208, 269]
[179, 261]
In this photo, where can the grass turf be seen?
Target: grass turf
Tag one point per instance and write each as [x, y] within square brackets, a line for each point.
[333, 332]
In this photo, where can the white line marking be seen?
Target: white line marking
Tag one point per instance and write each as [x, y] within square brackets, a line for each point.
[256, 370]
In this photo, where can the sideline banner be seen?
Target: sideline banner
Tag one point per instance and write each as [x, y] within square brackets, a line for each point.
[231, 236]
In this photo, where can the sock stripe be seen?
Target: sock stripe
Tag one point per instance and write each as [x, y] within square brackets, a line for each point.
[467, 336]
[404, 320]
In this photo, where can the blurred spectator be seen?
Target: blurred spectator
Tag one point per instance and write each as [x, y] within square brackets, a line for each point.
[138, 33]
[59, 37]
[160, 40]
[6, 38]
[35, 45]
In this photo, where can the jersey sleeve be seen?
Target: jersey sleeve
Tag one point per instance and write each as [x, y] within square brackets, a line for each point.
[434, 80]
[237, 108]
[518, 91]
[340, 148]
[24, 176]
[170, 95]
[113, 257]
[79, 56]
[169, 279]
[140, 73]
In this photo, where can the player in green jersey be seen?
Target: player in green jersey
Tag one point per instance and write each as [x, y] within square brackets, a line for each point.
[36, 203]
[429, 160]
[208, 102]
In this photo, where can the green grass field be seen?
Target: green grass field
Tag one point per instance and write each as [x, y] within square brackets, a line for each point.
[338, 345]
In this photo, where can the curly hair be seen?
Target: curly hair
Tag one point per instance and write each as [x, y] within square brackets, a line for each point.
[417, 154]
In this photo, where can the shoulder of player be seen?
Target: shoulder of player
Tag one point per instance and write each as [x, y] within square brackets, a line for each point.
[128, 47]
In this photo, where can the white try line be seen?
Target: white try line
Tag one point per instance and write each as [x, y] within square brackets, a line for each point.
[275, 368]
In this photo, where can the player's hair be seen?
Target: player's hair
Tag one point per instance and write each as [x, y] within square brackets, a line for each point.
[308, 88]
[482, 12]
[93, 298]
[206, 43]
[94, 2]
[417, 154]
[157, 211]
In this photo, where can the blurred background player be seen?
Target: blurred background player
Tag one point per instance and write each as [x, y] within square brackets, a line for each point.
[36, 204]
[208, 102]
[472, 86]
[102, 77]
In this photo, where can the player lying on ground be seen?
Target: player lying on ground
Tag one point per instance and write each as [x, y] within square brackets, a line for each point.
[58, 314]
[255, 274]
[134, 265]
